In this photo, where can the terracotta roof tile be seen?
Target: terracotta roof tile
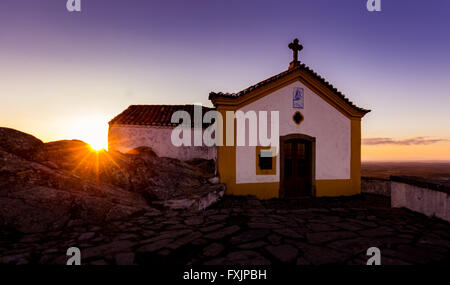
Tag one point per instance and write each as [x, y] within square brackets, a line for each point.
[213, 95]
[153, 115]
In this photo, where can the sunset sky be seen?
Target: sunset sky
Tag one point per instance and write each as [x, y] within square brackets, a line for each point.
[65, 75]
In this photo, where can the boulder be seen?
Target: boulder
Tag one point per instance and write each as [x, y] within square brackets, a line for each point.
[36, 198]
[18, 143]
[205, 197]
[66, 154]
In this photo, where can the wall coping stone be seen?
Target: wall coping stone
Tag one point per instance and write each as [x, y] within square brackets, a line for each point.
[375, 178]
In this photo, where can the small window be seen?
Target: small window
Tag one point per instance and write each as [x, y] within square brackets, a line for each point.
[298, 118]
[265, 159]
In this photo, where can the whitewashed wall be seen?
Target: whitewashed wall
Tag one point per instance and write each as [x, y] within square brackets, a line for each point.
[330, 127]
[419, 199]
[126, 138]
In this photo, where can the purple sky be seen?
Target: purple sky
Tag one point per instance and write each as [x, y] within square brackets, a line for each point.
[57, 66]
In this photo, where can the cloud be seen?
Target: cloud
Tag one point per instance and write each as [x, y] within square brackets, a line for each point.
[410, 141]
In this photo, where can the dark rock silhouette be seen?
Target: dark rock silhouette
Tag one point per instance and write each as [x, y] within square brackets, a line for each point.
[18, 143]
[44, 186]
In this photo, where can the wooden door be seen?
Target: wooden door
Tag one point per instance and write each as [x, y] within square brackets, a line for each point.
[297, 168]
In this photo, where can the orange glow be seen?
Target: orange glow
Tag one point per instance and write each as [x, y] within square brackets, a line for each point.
[89, 163]
[92, 129]
[437, 151]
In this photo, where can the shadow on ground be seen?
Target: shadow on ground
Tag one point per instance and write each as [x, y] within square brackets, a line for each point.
[244, 230]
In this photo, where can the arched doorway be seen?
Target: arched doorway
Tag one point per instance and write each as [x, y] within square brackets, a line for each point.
[297, 166]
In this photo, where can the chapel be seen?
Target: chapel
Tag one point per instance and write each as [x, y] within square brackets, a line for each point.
[318, 149]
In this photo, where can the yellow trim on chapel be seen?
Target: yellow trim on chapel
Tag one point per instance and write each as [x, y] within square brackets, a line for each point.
[226, 155]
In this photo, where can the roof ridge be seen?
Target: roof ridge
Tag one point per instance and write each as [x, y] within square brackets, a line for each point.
[166, 105]
[282, 74]
[152, 115]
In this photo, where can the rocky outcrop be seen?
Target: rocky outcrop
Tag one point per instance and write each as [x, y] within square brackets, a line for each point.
[140, 170]
[202, 199]
[18, 143]
[35, 197]
[45, 186]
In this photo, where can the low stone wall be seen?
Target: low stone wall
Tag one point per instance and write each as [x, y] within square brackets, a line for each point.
[378, 186]
[419, 195]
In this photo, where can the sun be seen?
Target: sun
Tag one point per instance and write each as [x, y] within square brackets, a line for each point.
[92, 129]
[97, 144]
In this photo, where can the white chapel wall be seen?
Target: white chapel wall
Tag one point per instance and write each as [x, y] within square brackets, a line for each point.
[330, 127]
[126, 138]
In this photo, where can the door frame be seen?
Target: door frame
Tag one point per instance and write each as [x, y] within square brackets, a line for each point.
[312, 142]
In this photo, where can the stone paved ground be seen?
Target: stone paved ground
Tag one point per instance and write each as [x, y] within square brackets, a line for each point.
[247, 231]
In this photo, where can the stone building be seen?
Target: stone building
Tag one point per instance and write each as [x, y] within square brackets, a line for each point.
[150, 125]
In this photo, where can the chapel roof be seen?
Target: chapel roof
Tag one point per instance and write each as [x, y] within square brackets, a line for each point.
[153, 115]
[213, 95]
[294, 66]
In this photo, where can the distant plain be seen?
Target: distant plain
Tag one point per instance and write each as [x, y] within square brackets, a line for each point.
[432, 170]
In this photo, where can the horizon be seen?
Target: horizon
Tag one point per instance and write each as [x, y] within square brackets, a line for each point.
[406, 161]
[65, 75]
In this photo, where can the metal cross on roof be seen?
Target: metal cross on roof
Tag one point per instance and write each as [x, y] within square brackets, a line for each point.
[295, 47]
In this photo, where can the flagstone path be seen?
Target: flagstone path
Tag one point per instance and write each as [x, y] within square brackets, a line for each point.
[243, 230]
